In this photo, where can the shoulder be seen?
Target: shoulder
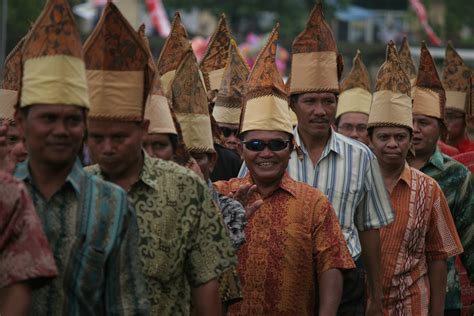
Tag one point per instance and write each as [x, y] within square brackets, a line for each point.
[424, 179]
[97, 188]
[171, 170]
[454, 167]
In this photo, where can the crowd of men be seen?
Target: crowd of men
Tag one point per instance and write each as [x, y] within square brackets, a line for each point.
[135, 187]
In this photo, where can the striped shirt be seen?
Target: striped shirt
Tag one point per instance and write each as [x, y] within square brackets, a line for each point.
[349, 175]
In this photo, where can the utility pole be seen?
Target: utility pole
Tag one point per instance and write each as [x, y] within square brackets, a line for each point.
[3, 38]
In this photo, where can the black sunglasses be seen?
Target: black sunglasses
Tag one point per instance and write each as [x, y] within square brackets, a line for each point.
[229, 131]
[273, 145]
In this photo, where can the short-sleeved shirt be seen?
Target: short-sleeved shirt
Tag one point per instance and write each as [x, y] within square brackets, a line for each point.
[24, 249]
[93, 234]
[183, 241]
[423, 231]
[291, 240]
[349, 175]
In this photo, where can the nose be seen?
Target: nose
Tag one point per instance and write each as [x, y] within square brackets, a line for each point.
[416, 128]
[318, 109]
[232, 139]
[107, 147]
[60, 128]
[354, 134]
[392, 143]
[266, 153]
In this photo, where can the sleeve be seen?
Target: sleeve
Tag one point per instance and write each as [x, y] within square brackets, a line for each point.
[374, 210]
[442, 240]
[24, 249]
[210, 250]
[128, 295]
[233, 214]
[329, 246]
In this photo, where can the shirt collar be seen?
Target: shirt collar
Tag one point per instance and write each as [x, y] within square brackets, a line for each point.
[146, 175]
[286, 184]
[405, 176]
[331, 145]
[437, 160]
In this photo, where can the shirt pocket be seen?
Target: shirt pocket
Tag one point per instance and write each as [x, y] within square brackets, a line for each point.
[343, 203]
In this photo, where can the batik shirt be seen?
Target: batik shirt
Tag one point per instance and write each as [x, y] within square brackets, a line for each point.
[457, 184]
[93, 235]
[183, 241]
[423, 231]
[24, 250]
[290, 241]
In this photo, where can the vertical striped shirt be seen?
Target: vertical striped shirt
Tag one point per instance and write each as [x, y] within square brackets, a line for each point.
[349, 175]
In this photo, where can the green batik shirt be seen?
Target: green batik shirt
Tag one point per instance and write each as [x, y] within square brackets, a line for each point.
[457, 184]
[93, 235]
[183, 241]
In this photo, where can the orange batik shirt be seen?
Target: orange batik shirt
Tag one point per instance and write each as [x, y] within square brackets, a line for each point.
[423, 231]
[290, 241]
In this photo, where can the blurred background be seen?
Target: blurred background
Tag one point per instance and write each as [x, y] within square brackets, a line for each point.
[357, 24]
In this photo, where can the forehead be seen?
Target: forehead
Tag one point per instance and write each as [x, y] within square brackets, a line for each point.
[354, 118]
[454, 111]
[317, 96]
[108, 127]
[419, 117]
[56, 109]
[265, 135]
[161, 137]
[235, 126]
[391, 131]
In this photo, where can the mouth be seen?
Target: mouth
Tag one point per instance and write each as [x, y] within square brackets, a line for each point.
[416, 140]
[266, 164]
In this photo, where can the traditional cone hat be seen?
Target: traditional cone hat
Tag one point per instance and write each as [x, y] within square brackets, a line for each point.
[456, 76]
[216, 56]
[406, 60]
[158, 112]
[391, 103]
[11, 84]
[53, 66]
[189, 101]
[470, 108]
[266, 107]
[355, 89]
[314, 52]
[428, 96]
[230, 98]
[118, 69]
[175, 48]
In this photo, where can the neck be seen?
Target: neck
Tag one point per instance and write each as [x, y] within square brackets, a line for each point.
[314, 145]
[390, 175]
[266, 189]
[128, 177]
[421, 158]
[49, 178]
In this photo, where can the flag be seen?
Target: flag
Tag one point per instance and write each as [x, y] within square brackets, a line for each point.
[158, 17]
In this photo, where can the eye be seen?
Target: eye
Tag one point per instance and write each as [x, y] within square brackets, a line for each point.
[96, 138]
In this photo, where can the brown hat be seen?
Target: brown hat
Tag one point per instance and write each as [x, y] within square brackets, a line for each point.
[266, 105]
[216, 56]
[118, 70]
[11, 83]
[355, 89]
[406, 60]
[456, 76]
[428, 96]
[189, 101]
[470, 108]
[391, 103]
[314, 52]
[53, 67]
[175, 48]
[230, 97]
[158, 112]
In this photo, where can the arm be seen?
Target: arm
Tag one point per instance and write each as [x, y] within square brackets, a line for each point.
[437, 272]
[330, 291]
[206, 299]
[370, 242]
[15, 299]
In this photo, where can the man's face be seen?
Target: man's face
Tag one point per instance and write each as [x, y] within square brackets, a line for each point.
[391, 145]
[266, 166]
[426, 132]
[116, 146]
[354, 125]
[16, 144]
[53, 133]
[206, 163]
[158, 145]
[455, 123]
[315, 112]
[231, 141]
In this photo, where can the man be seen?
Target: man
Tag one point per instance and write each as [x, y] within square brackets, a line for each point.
[89, 226]
[417, 244]
[454, 179]
[354, 102]
[294, 243]
[183, 247]
[456, 80]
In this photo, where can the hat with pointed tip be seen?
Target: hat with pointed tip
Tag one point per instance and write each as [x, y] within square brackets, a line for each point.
[391, 102]
[314, 52]
[406, 60]
[266, 104]
[355, 89]
[158, 112]
[456, 76]
[53, 66]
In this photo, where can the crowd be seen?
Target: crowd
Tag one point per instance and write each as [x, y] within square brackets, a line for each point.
[135, 187]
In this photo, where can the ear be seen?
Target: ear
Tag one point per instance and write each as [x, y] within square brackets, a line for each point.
[145, 125]
[20, 122]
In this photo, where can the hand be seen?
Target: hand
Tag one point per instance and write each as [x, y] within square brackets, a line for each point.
[243, 195]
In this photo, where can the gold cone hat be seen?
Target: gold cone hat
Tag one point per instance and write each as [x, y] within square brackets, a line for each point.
[406, 60]
[456, 76]
[175, 48]
[314, 52]
[266, 106]
[53, 66]
[355, 89]
[391, 103]
[428, 96]
[158, 112]
[189, 101]
[230, 98]
[118, 69]
[9, 90]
